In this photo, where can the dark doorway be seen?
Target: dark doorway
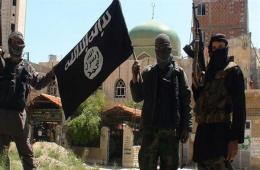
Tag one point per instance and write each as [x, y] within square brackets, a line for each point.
[43, 131]
[115, 147]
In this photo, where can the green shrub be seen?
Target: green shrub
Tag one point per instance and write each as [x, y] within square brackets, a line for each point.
[84, 130]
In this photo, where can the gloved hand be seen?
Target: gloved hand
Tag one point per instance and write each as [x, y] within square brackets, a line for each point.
[184, 136]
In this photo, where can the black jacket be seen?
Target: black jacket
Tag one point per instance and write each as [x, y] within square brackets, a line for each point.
[15, 81]
[147, 91]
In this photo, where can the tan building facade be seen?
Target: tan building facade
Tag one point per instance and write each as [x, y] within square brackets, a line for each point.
[252, 134]
[255, 68]
[240, 48]
[53, 60]
[13, 15]
[229, 17]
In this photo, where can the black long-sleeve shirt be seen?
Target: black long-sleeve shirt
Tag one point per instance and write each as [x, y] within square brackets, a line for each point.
[165, 115]
[236, 86]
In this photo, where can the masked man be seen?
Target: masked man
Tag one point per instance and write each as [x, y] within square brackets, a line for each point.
[220, 110]
[166, 112]
[16, 76]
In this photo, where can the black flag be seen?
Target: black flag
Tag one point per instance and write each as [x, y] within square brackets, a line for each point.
[93, 59]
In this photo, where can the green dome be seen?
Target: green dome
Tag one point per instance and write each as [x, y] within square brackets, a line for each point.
[143, 37]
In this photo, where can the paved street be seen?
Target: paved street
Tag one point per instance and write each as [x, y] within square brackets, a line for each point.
[118, 168]
[130, 169]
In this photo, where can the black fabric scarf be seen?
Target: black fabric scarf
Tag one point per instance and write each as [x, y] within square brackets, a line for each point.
[218, 61]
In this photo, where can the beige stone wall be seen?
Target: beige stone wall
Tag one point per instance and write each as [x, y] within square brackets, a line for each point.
[104, 144]
[255, 125]
[240, 48]
[253, 98]
[6, 21]
[124, 72]
[130, 152]
[253, 115]
[95, 154]
[12, 15]
[20, 15]
[128, 140]
[186, 64]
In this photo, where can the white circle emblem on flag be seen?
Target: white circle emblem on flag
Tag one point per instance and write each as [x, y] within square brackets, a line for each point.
[93, 62]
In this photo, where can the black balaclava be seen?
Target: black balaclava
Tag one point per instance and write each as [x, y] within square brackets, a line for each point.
[163, 49]
[218, 58]
[16, 45]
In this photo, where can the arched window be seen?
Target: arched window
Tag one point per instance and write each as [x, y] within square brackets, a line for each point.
[120, 89]
[52, 88]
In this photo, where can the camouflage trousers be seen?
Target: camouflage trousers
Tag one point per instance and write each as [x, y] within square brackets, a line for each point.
[160, 143]
[215, 164]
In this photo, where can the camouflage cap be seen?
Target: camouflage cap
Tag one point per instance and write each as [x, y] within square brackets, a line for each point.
[18, 37]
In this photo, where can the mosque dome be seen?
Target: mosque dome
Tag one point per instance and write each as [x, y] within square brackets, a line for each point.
[143, 37]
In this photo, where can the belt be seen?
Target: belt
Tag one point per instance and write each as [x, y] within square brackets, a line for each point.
[165, 130]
